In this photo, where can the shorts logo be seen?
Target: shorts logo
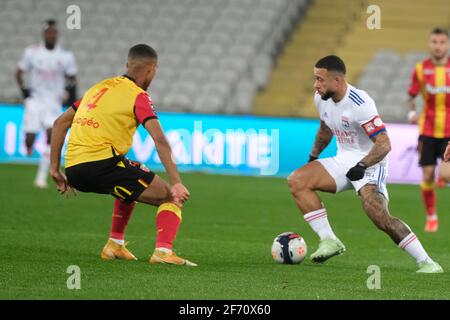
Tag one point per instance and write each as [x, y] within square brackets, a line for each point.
[121, 192]
[345, 122]
[86, 122]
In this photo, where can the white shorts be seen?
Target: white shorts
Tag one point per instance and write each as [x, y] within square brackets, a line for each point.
[338, 169]
[40, 114]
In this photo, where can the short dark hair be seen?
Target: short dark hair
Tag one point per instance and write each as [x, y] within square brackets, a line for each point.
[142, 51]
[49, 23]
[439, 30]
[331, 63]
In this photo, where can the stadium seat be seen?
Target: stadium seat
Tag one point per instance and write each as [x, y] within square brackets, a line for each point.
[208, 103]
[386, 79]
[212, 44]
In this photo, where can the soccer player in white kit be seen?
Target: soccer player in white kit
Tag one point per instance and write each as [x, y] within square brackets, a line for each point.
[360, 163]
[51, 71]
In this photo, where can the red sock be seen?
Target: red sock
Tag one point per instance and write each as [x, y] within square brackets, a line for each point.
[121, 215]
[168, 220]
[429, 199]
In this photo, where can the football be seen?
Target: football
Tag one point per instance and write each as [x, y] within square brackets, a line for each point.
[289, 248]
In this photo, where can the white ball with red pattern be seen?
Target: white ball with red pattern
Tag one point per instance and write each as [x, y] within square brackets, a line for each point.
[289, 248]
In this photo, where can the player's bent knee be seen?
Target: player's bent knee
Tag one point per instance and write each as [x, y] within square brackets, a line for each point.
[297, 181]
[157, 193]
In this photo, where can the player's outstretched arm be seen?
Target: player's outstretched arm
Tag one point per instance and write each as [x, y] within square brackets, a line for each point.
[323, 139]
[59, 131]
[179, 191]
[380, 149]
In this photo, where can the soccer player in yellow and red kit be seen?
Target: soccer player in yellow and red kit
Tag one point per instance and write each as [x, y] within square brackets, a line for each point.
[431, 78]
[102, 126]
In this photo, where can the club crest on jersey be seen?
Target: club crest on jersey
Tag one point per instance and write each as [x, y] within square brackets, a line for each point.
[345, 122]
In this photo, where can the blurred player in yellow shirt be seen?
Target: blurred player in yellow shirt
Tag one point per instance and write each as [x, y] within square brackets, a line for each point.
[102, 126]
[431, 79]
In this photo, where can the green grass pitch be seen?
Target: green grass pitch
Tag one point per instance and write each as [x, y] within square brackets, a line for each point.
[228, 227]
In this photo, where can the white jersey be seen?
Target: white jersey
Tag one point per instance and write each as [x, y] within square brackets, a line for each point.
[47, 70]
[354, 121]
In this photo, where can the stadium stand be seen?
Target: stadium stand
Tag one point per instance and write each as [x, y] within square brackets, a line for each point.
[215, 54]
[386, 78]
[380, 61]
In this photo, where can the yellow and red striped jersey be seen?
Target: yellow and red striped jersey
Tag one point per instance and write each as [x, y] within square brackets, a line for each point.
[106, 119]
[433, 82]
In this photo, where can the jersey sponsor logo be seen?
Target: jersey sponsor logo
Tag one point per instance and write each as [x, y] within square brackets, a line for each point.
[345, 137]
[437, 90]
[86, 122]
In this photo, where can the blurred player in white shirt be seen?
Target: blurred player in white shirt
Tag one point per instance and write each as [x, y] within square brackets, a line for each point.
[51, 72]
[360, 164]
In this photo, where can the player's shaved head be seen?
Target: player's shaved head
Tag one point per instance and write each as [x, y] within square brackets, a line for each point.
[331, 63]
[330, 81]
[141, 64]
[50, 33]
[142, 53]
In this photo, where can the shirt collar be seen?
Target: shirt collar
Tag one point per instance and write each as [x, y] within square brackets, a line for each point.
[129, 78]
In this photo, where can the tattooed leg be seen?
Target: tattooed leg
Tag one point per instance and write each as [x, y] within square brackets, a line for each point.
[375, 206]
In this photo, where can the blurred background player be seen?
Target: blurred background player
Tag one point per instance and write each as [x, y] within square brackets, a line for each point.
[360, 164]
[51, 71]
[431, 78]
[102, 125]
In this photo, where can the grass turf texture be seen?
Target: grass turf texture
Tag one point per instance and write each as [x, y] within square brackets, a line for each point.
[228, 228]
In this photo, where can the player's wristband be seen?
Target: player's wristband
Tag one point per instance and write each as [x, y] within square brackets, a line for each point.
[412, 114]
[312, 158]
[362, 165]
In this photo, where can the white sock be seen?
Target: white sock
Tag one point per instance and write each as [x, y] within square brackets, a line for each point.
[432, 217]
[44, 165]
[413, 247]
[165, 250]
[318, 220]
[118, 241]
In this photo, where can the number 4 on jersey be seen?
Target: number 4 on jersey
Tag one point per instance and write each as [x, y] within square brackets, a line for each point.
[92, 103]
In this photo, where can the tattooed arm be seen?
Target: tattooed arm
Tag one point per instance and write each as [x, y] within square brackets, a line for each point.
[323, 139]
[380, 149]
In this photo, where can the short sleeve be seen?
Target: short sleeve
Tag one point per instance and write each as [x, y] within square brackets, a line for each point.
[414, 86]
[143, 108]
[368, 118]
[25, 61]
[76, 104]
[70, 67]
